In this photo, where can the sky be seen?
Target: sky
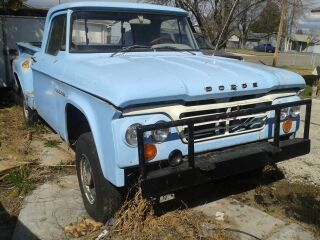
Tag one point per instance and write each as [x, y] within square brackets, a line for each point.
[308, 21]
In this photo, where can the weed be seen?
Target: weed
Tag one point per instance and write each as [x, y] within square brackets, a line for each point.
[307, 92]
[306, 73]
[137, 218]
[38, 128]
[51, 143]
[20, 180]
[269, 210]
[297, 69]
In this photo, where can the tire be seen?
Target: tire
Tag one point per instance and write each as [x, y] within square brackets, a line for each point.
[30, 117]
[101, 199]
[258, 172]
[17, 92]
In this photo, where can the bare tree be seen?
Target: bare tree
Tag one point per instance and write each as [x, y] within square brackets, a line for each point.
[198, 9]
[211, 15]
[295, 8]
[269, 17]
[248, 12]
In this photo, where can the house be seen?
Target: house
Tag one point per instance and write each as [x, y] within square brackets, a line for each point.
[233, 42]
[253, 39]
[315, 47]
[302, 42]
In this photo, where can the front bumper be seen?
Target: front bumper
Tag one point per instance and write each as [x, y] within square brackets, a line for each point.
[202, 168]
[221, 164]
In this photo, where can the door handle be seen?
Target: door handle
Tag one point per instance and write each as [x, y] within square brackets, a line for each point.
[34, 59]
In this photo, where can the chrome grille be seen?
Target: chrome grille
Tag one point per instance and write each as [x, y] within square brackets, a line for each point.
[225, 127]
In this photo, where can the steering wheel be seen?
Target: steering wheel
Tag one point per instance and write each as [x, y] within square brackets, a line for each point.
[157, 40]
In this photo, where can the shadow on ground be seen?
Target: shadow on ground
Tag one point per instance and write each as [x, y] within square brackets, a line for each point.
[7, 225]
[7, 97]
[216, 190]
[268, 191]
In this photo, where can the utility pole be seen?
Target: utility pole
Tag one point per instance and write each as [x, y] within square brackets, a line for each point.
[284, 6]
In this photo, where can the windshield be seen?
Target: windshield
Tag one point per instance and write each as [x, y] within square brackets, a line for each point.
[203, 42]
[97, 31]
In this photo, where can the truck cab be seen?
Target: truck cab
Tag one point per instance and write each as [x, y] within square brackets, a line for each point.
[127, 87]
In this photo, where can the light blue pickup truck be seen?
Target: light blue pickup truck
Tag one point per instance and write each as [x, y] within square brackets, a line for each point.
[126, 86]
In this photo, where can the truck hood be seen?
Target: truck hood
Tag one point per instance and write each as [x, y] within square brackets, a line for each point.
[140, 78]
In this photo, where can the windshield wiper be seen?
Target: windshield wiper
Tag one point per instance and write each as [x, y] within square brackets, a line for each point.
[128, 49]
[174, 48]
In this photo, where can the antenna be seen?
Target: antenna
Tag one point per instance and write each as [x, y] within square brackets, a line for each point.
[225, 25]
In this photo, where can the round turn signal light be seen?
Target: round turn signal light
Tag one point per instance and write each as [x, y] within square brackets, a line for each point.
[287, 125]
[150, 151]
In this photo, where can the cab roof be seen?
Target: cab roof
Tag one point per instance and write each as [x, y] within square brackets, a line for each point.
[117, 6]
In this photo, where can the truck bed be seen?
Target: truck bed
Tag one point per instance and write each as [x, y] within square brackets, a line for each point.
[29, 48]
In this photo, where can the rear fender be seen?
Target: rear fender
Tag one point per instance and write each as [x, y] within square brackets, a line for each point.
[23, 77]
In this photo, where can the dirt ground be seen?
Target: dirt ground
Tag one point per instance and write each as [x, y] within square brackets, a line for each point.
[14, 144]
[20, 171]
[138, 220]
[276, 191]
[289, 201]
[14, 150]
[306, 169]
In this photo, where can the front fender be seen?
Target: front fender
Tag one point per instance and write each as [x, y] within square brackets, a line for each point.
[99, 115]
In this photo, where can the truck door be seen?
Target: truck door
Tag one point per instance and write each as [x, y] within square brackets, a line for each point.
[48, 69]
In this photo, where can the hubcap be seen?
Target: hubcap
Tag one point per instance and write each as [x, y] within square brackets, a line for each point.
[87, 179]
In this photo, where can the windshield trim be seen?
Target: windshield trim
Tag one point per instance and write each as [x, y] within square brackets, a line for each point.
[179, 16]
[137, 51]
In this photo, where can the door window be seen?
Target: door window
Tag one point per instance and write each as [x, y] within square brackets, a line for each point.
[57, 35]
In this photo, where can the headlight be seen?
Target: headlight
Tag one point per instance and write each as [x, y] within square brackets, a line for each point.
[283, 113]
[160, 135]
[131, 134]
[294, 111]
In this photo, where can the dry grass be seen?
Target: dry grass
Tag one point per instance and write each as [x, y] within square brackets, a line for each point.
[302, 70]
[137, 220]
[81, 228]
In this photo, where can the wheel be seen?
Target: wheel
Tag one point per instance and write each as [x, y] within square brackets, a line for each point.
[101, 199]
[30, 117]
[17, 92]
